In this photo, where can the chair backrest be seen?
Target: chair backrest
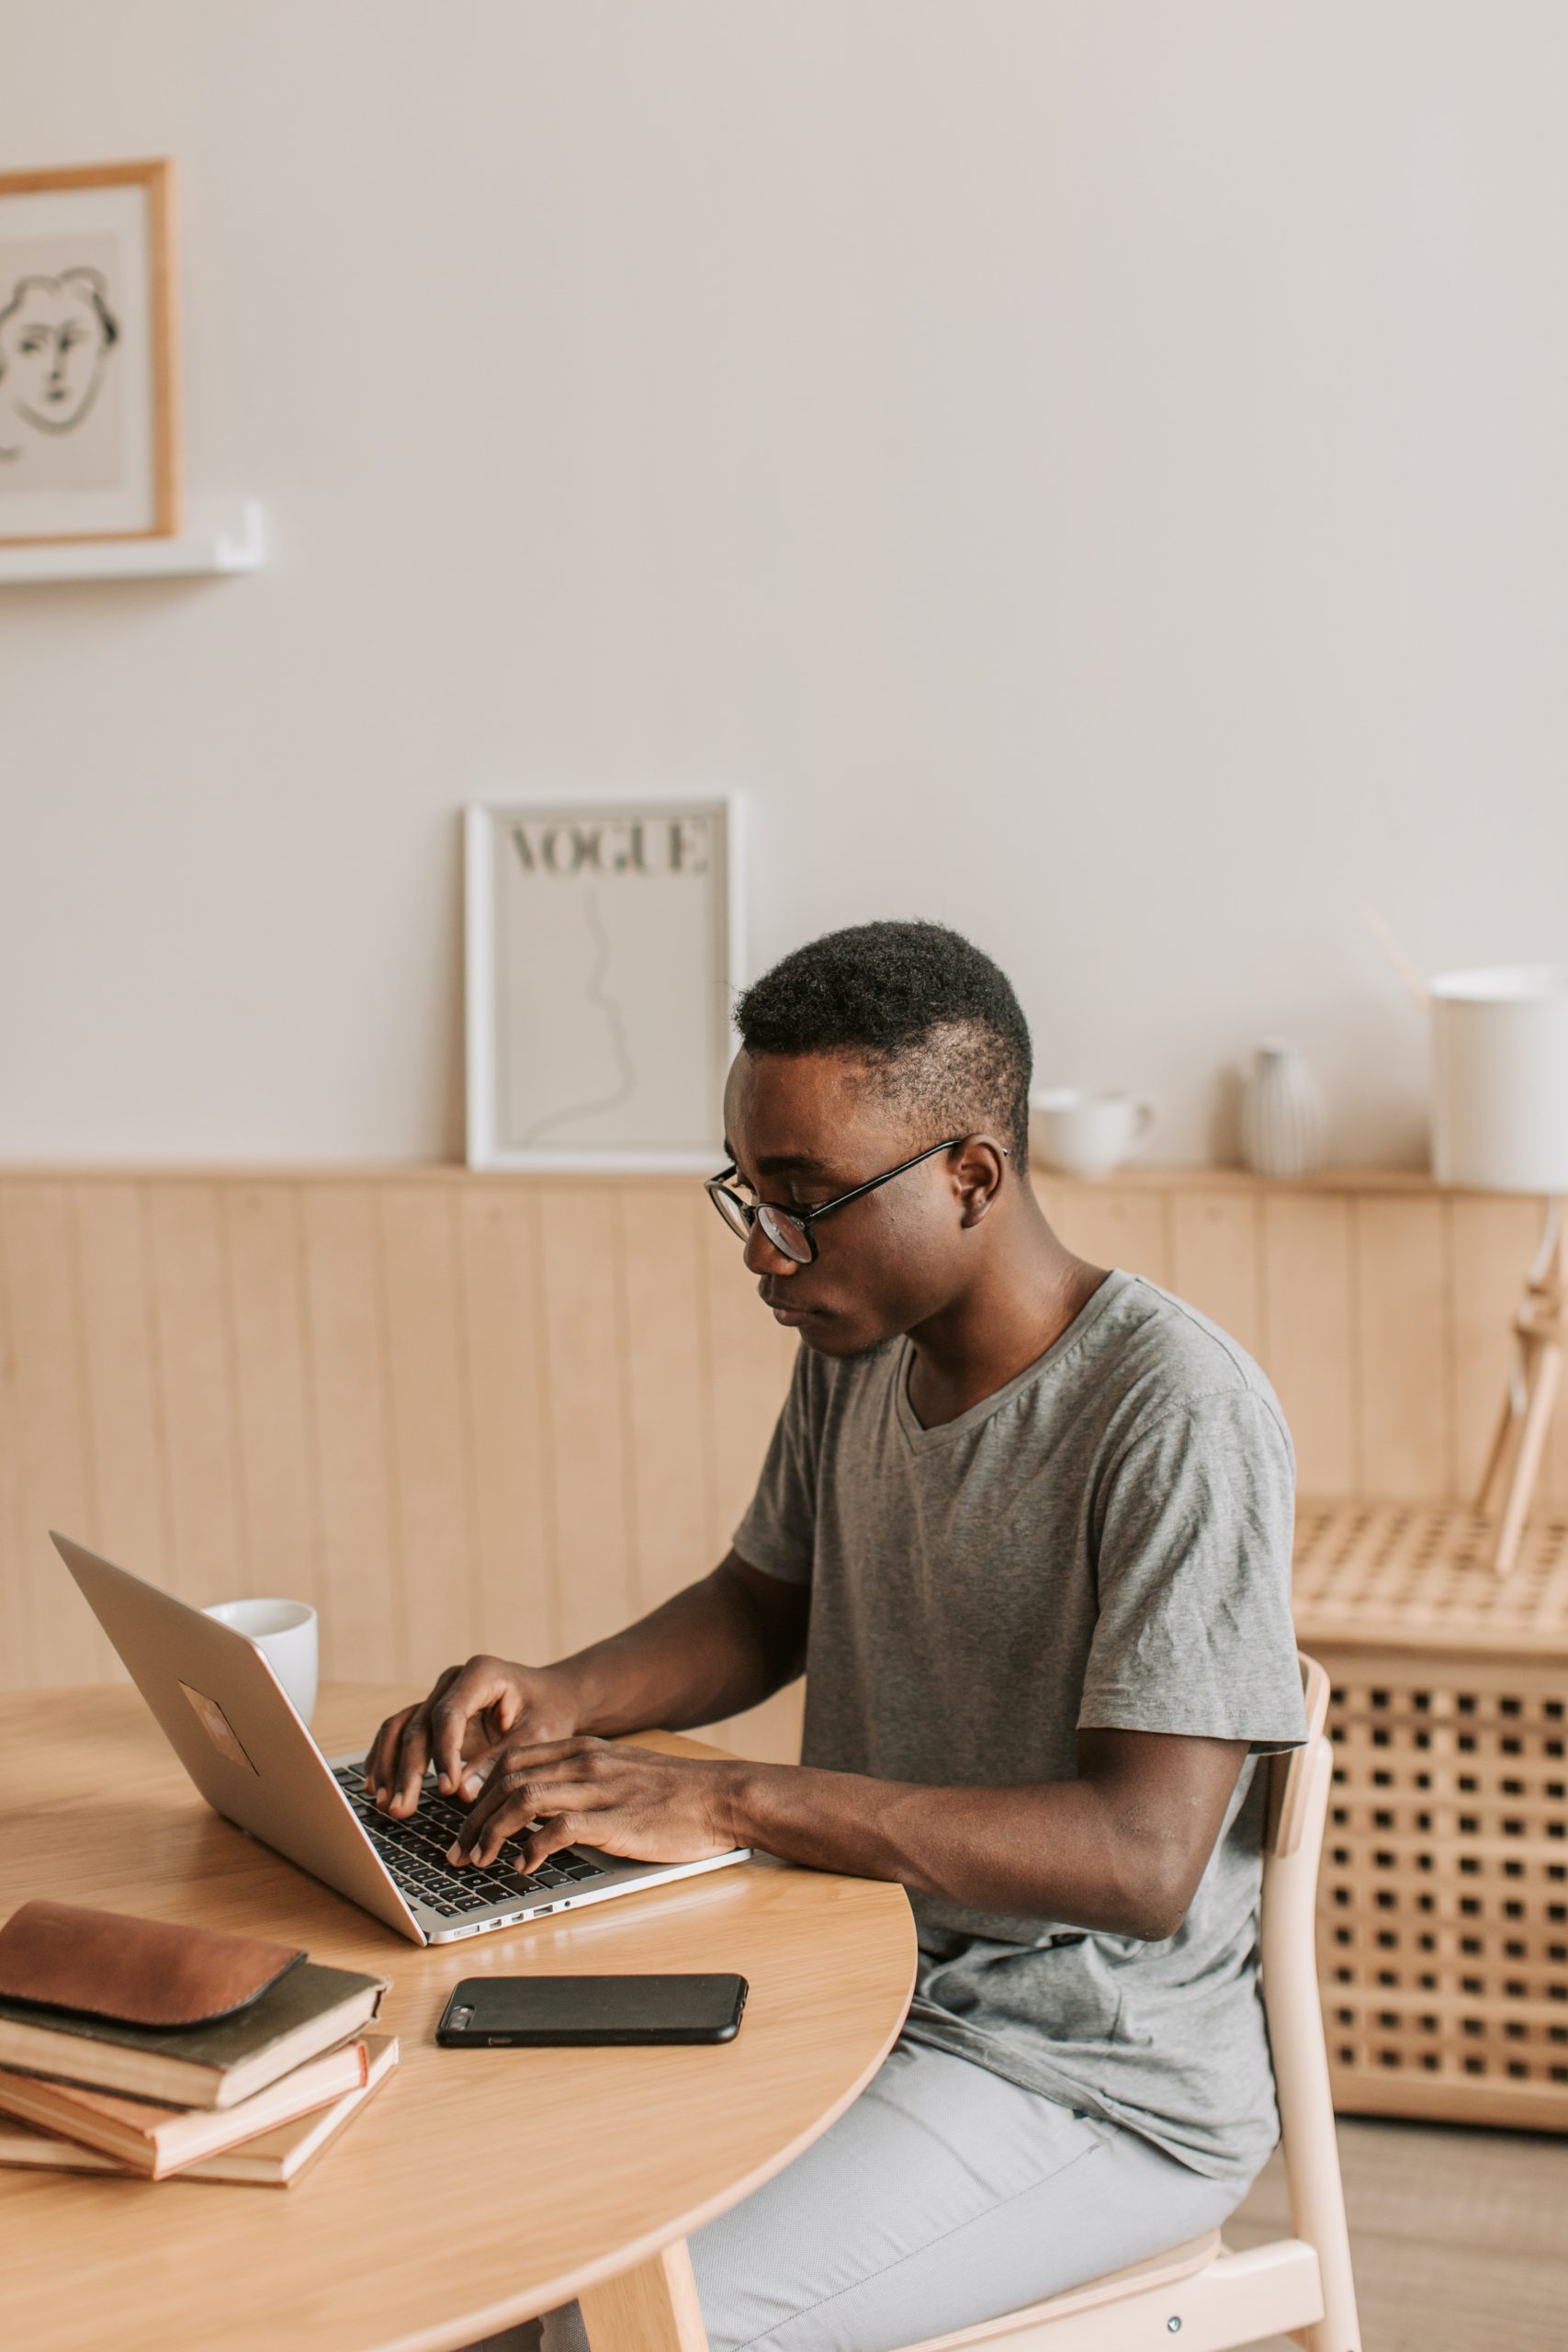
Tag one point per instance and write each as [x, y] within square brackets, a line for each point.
[1290, 1776]
[1292, 1845]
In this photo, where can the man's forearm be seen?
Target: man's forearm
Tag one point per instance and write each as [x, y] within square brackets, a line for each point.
[706, 1653]
[1066, 1852]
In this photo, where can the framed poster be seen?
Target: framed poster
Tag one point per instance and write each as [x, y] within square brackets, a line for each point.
[87, 424]
[603, 954]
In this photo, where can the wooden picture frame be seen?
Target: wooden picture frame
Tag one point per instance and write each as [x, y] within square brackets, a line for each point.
[603, 956]
[89, 440]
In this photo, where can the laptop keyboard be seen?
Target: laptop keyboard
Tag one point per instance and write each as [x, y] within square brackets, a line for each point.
[414, 1853]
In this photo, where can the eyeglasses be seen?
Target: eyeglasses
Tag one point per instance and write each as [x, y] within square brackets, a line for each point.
[789, 1230]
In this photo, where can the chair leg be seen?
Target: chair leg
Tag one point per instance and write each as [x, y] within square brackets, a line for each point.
[651, 2308]
[1546, 1365]
[1503, 1445]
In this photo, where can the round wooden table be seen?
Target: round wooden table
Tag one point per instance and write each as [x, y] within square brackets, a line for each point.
[477, 2188]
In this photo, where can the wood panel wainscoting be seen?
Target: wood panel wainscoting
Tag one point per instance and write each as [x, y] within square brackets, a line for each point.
[462, 1412]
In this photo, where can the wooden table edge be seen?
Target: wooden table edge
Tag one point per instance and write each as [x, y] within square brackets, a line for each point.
[655, 2295]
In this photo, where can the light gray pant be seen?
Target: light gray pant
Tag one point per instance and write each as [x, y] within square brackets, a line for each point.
[942, 2197]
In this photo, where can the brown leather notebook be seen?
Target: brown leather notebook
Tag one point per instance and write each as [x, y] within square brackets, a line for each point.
[137, 1972]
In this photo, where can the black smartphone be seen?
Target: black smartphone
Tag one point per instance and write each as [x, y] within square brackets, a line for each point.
[560, 2012]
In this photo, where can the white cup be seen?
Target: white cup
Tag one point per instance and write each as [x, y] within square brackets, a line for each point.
[1084, 1134]
[287, 1634]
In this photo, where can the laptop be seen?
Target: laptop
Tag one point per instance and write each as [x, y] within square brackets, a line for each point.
[228, 1719]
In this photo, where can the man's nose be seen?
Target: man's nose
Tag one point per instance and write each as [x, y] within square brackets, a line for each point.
[762, 1256]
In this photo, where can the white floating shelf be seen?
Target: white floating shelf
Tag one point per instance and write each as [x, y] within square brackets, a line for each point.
[222, 535]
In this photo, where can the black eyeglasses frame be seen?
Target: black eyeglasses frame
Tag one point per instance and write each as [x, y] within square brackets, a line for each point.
[751, 1212]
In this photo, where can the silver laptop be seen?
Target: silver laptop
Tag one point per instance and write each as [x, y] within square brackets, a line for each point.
[227, 1718]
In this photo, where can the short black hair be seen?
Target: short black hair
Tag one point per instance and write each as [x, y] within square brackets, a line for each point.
[931, 1016]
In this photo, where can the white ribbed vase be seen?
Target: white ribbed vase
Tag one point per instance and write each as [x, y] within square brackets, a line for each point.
[1284, 1126]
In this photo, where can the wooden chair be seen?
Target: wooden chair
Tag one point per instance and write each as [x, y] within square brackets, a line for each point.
[1201, 2295]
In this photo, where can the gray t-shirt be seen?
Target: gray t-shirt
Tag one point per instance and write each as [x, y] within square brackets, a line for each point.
[1106, 1543]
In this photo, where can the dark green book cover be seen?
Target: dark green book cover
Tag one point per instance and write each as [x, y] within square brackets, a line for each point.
[306, 1991]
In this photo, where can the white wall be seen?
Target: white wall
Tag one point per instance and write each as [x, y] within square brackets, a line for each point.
[1093, 471]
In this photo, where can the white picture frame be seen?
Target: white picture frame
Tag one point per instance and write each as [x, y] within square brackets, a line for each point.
[603, 952]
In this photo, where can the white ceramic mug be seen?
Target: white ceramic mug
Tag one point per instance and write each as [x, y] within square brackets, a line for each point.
[1084, 1134]
[285, 1632]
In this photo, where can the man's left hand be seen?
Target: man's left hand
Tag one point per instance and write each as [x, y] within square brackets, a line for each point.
[624, 1800]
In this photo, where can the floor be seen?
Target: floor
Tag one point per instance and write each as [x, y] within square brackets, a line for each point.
[1460, 2238]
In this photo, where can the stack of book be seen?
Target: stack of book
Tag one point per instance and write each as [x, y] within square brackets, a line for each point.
[253, 2092]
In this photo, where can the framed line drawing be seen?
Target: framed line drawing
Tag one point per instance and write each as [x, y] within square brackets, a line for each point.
[603, 954]
[88, 427]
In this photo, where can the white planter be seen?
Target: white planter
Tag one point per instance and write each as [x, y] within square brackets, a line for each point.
[1500, 1078]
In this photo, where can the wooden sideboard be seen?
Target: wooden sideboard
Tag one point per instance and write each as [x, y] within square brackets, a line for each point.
[465, 1411]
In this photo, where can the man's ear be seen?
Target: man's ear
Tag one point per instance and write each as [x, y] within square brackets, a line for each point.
[979, 1172]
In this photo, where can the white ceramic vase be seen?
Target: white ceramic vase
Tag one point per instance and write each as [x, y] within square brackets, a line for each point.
[1284, 1124]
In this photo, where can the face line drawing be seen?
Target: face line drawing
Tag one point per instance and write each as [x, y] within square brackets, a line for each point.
[47, 321]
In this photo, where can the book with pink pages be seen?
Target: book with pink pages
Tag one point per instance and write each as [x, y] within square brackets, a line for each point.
[273, 2158]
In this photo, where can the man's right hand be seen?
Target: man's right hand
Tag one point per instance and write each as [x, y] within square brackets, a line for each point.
[473, 1712]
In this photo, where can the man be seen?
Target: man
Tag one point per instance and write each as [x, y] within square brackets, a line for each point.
[1027, 1525]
